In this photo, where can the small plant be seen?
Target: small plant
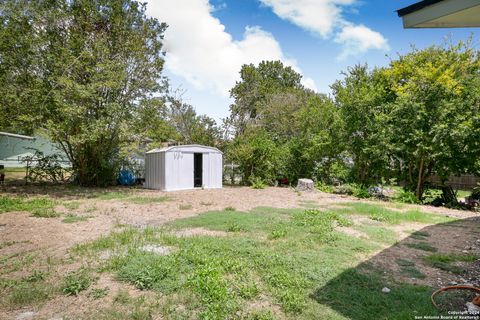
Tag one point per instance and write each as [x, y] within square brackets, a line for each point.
[277, 233]
[36, 276]
[76, 281]
[405, 196]
[27, 293]
[144, 270]
[72, 205]
[187, 206]
[323, 187]
[234, 227]
[206, 204]
[98, 293]
[361, 192]
[257, 183]
[72, 218]
[44, 213]
[229, 208]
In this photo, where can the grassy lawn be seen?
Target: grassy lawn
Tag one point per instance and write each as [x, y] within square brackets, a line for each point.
[265, 264]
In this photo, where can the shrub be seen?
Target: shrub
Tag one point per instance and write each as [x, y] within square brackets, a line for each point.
[323, 187]
[361, 192]
[406, 196]
[353, 190]
[257, 183]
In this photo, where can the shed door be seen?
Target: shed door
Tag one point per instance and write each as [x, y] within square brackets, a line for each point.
[197, 170]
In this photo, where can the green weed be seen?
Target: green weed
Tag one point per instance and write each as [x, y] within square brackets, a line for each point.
[38, 207]
[72, 218]
[98, 293]
[76, 281]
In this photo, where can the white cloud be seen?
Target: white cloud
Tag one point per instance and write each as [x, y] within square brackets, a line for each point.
[318, 16]
[359, 39]
[324, 18]
[200, 50]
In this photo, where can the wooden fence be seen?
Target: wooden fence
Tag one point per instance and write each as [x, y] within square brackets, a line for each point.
[463, 182]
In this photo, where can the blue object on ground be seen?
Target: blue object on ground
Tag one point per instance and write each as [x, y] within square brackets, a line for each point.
[126, 178]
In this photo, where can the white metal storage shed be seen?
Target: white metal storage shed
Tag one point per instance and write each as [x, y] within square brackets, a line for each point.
[183, 167]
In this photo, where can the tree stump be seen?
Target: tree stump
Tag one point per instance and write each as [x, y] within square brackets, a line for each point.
[305, 185]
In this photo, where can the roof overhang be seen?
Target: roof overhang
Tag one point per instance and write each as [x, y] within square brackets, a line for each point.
[441, 14]
[18, 136]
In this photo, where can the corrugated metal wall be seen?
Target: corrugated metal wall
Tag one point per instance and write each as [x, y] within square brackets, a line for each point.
[155, 170]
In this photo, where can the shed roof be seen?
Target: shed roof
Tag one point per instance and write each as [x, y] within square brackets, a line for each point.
[441, 14]
[180, 147]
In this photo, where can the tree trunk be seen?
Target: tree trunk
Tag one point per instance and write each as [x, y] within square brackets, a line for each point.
[419, 189]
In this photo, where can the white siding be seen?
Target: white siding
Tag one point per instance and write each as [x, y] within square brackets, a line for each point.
[172, 168]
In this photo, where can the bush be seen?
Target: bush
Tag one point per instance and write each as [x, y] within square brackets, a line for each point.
[353, 190]
[46, 168]
[323, 187]
[406, 196]
[257, 155]
[257, 183]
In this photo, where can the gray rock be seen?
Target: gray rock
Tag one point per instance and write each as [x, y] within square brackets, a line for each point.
[27, 315]
[305, 185]
[386, 290]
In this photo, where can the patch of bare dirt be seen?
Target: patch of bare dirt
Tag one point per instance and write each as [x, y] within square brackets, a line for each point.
[458, 238]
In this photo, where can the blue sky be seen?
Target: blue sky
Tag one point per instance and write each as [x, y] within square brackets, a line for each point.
[208, 41]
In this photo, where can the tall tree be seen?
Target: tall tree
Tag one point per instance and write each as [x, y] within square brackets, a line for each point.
[362, 97]
[96, 62]
[434, 123]
[256, 84]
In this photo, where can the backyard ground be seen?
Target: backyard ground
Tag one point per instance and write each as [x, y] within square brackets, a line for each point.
[235, 253]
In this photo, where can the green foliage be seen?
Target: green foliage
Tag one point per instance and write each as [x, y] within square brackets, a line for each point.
[257, 183]
[230, 208]
[85, 68]
[254, 87]
[360, 192]
[98, 293]
[76, 281]
[405, 196]
[257, 156]
[144, 270]
[360, 96]
[28, 293]
[46, 168]
[72, 218]
[38, 207]
[447, 262]
[323, 187]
